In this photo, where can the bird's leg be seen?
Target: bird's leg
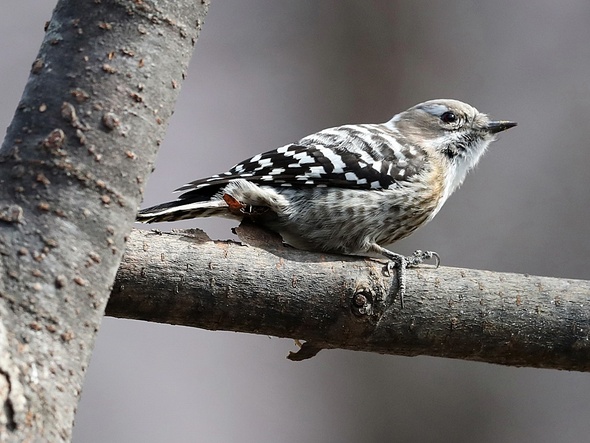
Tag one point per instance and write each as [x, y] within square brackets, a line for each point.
[401, 262]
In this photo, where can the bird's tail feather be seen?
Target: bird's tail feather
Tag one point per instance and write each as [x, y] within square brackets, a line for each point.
[181, 210]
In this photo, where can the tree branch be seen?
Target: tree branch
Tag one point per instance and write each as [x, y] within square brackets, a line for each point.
[345, 302]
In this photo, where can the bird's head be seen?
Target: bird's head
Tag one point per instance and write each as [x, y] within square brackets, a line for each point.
[457, 130]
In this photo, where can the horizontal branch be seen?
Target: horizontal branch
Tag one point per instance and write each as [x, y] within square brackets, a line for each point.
[334, 301]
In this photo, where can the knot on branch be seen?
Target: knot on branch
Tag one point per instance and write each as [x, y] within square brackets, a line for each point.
[362, 302]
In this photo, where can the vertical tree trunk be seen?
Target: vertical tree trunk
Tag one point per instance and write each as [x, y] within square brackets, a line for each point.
[72, 168]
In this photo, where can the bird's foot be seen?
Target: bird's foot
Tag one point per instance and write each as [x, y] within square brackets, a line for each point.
[418, 257]
[402, 262]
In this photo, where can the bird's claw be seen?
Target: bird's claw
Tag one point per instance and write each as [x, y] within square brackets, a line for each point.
[418, 257]
[401, 263]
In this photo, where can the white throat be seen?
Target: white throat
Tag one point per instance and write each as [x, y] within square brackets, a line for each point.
[460, 166]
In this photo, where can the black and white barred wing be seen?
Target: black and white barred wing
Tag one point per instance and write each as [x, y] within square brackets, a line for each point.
[357, 157]
[353, 157]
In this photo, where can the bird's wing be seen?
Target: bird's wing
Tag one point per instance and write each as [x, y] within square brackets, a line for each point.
[354, 157]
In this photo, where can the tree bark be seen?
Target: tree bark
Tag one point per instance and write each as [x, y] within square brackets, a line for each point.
[351, 303]
[72, 166]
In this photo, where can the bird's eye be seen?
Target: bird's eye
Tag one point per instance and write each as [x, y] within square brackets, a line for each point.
[448, 117]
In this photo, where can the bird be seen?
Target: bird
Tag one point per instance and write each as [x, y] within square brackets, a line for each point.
[352, 189]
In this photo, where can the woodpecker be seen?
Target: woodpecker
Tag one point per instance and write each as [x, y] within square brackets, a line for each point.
[352, 189]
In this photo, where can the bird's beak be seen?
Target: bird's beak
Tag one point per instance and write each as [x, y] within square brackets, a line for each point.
[499, 126]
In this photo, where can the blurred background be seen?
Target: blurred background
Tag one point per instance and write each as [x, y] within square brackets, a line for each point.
[268, 72]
